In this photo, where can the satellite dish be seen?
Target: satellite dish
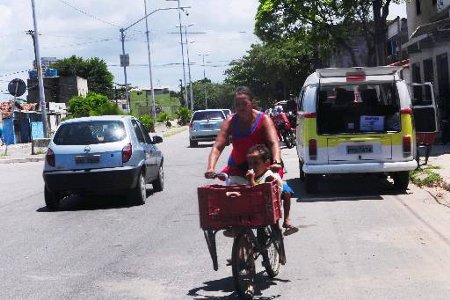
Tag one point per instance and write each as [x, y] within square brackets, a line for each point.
[17, 87]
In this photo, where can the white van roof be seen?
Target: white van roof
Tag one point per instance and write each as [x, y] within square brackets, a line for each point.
[330, 75]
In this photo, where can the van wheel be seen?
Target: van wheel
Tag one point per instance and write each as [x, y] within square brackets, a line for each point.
[311, 183]
[401, 180]
[193, 143]
[302, 174]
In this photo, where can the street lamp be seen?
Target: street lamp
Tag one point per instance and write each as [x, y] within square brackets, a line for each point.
[124, 61]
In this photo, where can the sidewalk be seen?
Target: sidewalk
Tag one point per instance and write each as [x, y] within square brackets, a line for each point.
[440, 157]
[21, 153]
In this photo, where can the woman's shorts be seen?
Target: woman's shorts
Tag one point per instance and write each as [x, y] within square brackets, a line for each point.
[287, 189]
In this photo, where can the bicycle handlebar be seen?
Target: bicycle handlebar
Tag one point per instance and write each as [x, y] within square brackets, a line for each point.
[222, 176]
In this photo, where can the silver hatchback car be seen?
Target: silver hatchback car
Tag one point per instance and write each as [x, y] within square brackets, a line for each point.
[102, 155]
[205, 125]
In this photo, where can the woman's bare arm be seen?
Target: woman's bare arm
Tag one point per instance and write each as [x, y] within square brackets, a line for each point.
[220, 143]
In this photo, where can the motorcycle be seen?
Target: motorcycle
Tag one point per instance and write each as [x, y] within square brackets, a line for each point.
[286, 133]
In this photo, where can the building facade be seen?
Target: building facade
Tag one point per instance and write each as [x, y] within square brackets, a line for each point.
[429, 50]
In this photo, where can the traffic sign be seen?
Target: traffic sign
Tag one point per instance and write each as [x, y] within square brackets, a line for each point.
[17, 87]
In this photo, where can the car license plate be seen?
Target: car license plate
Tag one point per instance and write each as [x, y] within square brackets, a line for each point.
[87, 159]
[207, 125]
[359, 149]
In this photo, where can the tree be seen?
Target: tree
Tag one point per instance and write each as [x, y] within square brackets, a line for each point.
[272, 70]
[218, 95]
[92, 105]
[94, 69]
[323, 24]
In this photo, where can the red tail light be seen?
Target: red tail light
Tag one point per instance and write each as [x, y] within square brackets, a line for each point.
[309, 115]
[356, 77]
[407, 145]
[191, 125]
[50, 157]
[406, 111]
[312, 146]
[126, 152]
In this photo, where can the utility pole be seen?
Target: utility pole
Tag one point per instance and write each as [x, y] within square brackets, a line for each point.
[204, 80]
[150, 64]
[191, 93]
[39, 71]
[182, 52]
[125, 62]
[124, 59]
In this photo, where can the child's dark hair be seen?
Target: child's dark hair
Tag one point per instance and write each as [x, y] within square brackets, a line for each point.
[263, 151]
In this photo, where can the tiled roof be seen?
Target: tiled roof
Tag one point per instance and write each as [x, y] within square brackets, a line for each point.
[7, 108]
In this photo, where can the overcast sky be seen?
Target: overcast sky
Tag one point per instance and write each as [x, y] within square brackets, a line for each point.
[222, 29]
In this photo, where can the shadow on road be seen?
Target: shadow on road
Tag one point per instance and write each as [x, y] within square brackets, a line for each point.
[92, 202]
[226, 285]
[202, 146]
[345, 188]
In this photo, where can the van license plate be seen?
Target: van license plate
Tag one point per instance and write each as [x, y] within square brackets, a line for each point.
[359, 149]
[91, 159]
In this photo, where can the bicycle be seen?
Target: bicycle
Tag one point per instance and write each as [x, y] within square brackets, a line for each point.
[252, 213]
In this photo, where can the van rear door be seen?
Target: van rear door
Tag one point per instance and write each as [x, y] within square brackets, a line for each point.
[424, 108]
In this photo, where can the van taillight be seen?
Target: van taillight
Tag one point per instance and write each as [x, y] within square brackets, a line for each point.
[312, 146]
[50, 157]
[406, 111]
[309, 115]
[127, 151]
[356, 77]
[407, 145]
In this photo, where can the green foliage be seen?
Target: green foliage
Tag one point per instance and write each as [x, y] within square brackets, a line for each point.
[162, 117]
[218, 95]
[92, 105]
[272, 71]
[426, 177]
[94, 69]
[184, 115]
[147, 122]
[321, 25]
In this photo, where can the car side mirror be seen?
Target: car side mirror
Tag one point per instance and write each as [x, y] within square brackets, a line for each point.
[157, 139]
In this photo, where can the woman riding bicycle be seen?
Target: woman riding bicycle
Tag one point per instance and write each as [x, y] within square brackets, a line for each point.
[246, 128]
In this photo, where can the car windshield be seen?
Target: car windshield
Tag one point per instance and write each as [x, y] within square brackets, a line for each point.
[208, 115]
[93, 132]
[358, 108]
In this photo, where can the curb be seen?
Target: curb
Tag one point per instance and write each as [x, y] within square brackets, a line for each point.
[21, 160]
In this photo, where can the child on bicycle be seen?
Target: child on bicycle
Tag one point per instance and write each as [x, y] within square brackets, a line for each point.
[259, 160]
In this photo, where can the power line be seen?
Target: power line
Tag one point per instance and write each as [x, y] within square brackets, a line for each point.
[88, 14]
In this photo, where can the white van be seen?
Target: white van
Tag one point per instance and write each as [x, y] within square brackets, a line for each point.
[355, 120]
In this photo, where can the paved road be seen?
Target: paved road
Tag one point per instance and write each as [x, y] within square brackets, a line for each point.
[358, 240]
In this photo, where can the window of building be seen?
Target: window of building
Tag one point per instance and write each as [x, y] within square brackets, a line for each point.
[418, 10]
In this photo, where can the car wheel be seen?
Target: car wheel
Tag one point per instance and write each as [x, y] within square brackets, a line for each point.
[52, 199]
[401, 180]
[158, 184]
[193, 143]
[311, 183]
[138, 194]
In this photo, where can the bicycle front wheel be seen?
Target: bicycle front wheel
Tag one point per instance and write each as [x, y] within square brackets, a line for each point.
[243, 265]
[273, 251]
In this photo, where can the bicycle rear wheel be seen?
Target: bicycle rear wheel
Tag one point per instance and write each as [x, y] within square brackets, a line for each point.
[274, 252]
[243, 265]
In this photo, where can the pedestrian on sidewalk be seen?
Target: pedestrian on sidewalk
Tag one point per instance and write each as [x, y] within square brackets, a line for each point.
[1, 136]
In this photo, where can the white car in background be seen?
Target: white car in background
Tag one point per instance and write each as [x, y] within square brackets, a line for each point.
[205, 125]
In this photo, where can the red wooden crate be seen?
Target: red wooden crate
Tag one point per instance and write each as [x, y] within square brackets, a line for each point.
[238, 205]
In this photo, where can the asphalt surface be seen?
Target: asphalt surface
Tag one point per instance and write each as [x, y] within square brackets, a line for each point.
[358, 239]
